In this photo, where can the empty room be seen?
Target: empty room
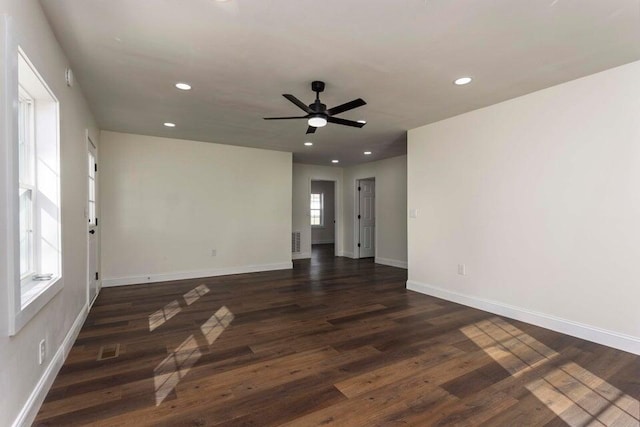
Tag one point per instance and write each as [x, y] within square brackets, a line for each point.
[303, 213]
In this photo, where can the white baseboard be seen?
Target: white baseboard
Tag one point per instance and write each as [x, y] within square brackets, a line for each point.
[30, 409]
[391, 262]
[617, 340]
[182, 275]
[346, 254]
[301, 255]
[322, 241]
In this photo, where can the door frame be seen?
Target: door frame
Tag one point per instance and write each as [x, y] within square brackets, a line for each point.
[89, 142]
[337, 247]
[356, 221]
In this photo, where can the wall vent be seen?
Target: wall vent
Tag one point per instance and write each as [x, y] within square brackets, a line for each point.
[109, 351]
[295, 242]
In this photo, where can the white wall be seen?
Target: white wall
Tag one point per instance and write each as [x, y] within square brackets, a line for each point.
[391, 208]
[302, 177]
[167, 203]
[540, 197]
[23, 382]
[325, 233]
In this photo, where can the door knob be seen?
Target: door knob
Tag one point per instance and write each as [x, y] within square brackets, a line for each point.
[92, 231]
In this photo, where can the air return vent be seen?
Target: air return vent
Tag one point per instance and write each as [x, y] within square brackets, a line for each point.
[109, 351]
[295, 242]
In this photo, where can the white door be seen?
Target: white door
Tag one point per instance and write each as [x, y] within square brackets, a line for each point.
[367, 217]
[92, 256]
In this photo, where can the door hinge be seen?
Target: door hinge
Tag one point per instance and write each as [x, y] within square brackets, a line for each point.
[96, 221]
[358, 244]
[95, 167]
[359, 188]
[97, 275]
[358, 216]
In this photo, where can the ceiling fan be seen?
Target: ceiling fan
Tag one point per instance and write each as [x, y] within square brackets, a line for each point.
[317, 113]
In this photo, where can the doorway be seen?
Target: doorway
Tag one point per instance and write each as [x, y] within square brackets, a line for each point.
[93, 282]
[366, 218]
[322, 214]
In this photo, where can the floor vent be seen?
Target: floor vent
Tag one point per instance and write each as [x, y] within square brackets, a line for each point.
[109, 351]
[295, 242]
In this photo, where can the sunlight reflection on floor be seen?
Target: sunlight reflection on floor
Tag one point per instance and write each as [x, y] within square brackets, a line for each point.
[212, 328]
[194, 294]
[177, 364]
[174, 367]
[573, 393]
[163, 315]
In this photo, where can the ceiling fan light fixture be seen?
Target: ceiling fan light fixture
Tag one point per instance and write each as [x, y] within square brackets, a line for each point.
[317, 121]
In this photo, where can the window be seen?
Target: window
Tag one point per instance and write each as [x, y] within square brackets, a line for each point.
[26, 182]
[38, 195]
[92, 189]
[317, 209]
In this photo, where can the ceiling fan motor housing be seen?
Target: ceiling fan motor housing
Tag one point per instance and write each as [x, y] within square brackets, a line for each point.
[318, 107]
[317, 86]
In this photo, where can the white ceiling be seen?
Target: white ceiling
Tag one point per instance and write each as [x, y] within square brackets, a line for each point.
[400, 56]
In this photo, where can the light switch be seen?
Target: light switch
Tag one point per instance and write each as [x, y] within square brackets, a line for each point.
[413, 213]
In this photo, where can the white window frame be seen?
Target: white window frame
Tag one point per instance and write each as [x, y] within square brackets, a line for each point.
[28, 296]
[321, 225]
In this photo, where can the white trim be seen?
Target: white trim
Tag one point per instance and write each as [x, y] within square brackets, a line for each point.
[301, 255]
[347, 254]
[580, 330]
[391, 262]
[30, 409]
[165, 277]
[322, 241]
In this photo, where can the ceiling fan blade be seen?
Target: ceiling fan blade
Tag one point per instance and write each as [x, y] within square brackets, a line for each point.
[299, 103]
[311, 129]
[346, 107]
[345, 122]
[286, 118]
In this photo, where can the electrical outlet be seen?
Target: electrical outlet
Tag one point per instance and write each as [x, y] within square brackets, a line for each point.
[214, 252]
[462, 269]
[42, 351]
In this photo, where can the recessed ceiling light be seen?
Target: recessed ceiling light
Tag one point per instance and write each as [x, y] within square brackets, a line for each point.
[335, 161]
[170, 125]
[462, 81]
[183, 86]
[308, 144]
[364, 122]
[366, 153]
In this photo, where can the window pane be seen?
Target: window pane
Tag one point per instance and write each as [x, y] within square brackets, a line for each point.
[25, 140]
[92, 212]
[92, 189]
[26, 235]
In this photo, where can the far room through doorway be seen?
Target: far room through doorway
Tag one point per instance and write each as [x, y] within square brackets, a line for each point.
[322, 209]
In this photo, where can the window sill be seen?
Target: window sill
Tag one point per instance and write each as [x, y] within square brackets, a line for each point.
[34, 296]
[318, 226]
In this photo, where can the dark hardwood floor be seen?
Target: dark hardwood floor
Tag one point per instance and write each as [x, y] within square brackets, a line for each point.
[334, 341]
